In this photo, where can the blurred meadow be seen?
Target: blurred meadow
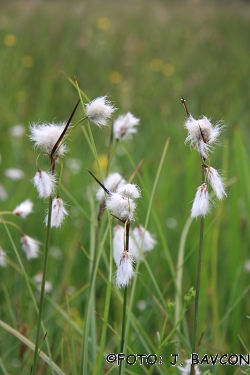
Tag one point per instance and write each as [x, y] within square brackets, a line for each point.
[144, 55]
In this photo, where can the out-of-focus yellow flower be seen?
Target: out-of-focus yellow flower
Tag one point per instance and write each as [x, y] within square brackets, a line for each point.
[115, 77]
[21, 96]
[168, 69]
[10, 40]
[156, 65]
[27, 61]
[103, 23]
[103, 161]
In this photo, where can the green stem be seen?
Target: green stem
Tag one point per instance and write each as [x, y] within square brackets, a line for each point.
[36, 354]
[165, 342]
[198, 282]
[122, 366]
[194, 346]
[126, 248]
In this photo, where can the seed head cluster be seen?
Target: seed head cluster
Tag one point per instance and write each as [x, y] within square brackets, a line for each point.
[203, 136]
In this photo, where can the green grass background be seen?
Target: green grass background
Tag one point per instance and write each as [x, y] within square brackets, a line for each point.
[145, 55]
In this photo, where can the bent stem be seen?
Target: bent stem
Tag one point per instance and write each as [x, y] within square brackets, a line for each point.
[198, 284]
[33, 371]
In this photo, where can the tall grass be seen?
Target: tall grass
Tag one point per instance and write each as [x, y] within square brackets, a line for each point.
[145, 56]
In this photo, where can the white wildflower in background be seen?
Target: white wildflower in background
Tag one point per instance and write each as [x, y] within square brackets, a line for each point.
[23, 209]
[14, 173]
[38, 280]
[3, 193]
[30, 246]
[247, 265]
[46, 135]
[120, 206]
[216, 182]
[3, 261]
[202, 134]
[129, 191]
[58, 213]
[112, 182]
[99, 110]
[187, 368]
[125, 271]
[17, 130]
[143, 239]
[124, 126]
[74, 165]
[45, 183]
[201, 204]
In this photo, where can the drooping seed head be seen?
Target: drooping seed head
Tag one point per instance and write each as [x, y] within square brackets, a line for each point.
[45, 183]
[201, 204]
[125, 271]
[124, 126]
[30, 246]
[23, 209]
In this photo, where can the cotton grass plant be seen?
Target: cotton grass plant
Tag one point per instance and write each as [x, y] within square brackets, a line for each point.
[202, 136]
[119, 198]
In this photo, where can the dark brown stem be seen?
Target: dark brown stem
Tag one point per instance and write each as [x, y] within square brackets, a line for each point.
[185, 106]
[64, 131]
[99, 182]
[127, 228]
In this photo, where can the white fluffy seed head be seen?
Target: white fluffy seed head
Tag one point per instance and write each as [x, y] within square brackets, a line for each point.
[125, 271]
[118, 245]
[17, 130]
[23, 209]
[201, 204]
[14, 173]
[143, 239]
[30, 246]
[3, 193]
[216, 182]
[202, 135]
[99, 110]
[120, 206]
[45, 183]
[38, 280]
[58, 213]
[112, 182]
[129, 191]
[185, 370]
[140, 240]
[46, 135]
[124, 126]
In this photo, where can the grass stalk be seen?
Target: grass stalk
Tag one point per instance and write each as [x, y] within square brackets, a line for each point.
[107, 301]
[23, 272]
[179, 272]
[124, 310]
[198, 282]
[36, 354]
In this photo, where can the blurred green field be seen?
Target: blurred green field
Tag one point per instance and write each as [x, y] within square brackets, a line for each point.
[145, 55]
